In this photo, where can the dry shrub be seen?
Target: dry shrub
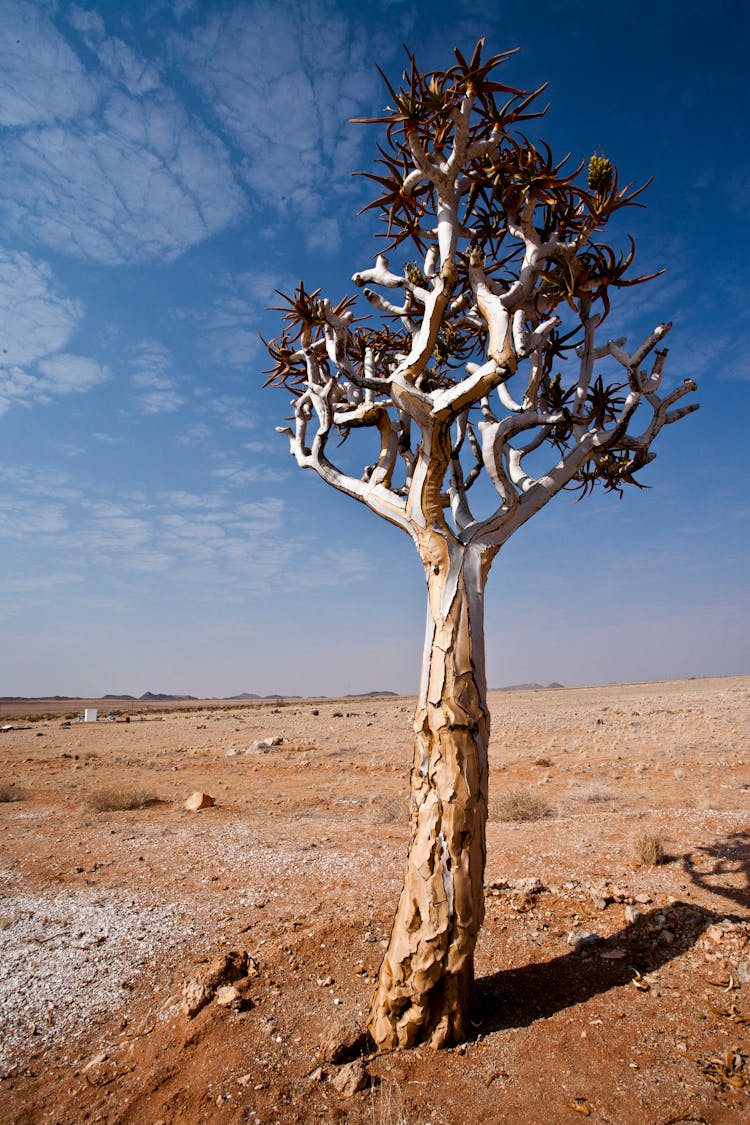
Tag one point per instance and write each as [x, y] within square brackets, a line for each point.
[595, 795]
[8, 792]
[648, 848]
[517, 805]
[387, 809]
[119, 799]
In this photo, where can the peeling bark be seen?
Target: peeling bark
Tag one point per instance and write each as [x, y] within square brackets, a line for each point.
[465, 338]
[427, 975]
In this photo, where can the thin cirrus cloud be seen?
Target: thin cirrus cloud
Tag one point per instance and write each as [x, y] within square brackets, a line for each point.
[55, 87]
[156, 387]
[138, 76]
[196, 537]
[39, 321]
[282, 100]
[109, 168]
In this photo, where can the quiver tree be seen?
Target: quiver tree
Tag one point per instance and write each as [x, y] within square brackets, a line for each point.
[486, 357]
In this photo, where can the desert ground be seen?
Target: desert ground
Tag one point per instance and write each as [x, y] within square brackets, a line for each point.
[608, 986]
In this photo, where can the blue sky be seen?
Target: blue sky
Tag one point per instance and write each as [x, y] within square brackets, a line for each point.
[166, 166]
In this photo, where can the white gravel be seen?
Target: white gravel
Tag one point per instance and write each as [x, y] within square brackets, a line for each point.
[70, 957]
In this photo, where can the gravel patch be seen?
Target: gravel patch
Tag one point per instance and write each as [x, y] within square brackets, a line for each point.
[68, 958]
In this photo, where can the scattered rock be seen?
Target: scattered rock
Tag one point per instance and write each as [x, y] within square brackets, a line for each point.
[743, 972]
[613, 954]
[96, 1061]
[341, 1041]
[264, 745]
[201, 989]
[581, 939]
[644, 899]
[632, 914]
[529, 885]
[231, 752]
[228, 996]
[351, 1078]
[197, 801]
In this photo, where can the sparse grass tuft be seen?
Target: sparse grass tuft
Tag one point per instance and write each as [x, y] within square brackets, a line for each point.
[648, 848]
[594, 795]
[9, 792]
[118, 799]
[387, 1105]
[517, 805]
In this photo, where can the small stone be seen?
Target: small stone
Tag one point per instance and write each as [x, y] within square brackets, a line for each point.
[743, 972]
[197, 801]
[632, 914]
[612, 954]
[200, 990]
[96, 1061]
[264, 745]
[195, 996]
[666, 936]
[231, 752]
[341, 1041]
[228, 996]
[351, 1078]
[529, 885]
[644, 899]
[580, 939]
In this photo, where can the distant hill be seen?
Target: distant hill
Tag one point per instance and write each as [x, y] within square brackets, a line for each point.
[530, 687]
[161, 696]
[252, 695]
[368, 694]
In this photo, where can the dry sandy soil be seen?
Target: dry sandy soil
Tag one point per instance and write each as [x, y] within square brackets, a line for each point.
[105, 914]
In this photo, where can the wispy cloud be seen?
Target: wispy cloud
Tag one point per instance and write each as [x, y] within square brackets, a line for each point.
[65, 373]
[38, 321]
[230, 327]
[55, 87]
[284, 98]
[193, 537]
[109, 168]
[157, 389]
[37, 317]
[116, 58]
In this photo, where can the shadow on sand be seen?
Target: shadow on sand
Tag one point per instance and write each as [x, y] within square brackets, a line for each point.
[731, 857]
[517, 997]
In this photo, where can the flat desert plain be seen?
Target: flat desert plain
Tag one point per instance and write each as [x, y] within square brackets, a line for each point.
[608, 987]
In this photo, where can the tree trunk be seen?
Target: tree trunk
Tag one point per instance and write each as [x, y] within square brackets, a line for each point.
[426, 979]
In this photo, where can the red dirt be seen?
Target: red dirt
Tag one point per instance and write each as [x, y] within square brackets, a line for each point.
[105, 914]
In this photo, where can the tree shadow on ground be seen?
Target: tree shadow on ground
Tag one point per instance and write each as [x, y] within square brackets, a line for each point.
[515, 998]
[731, 858]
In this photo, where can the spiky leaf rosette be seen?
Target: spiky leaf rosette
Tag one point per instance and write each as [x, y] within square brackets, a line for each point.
[512, 278]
